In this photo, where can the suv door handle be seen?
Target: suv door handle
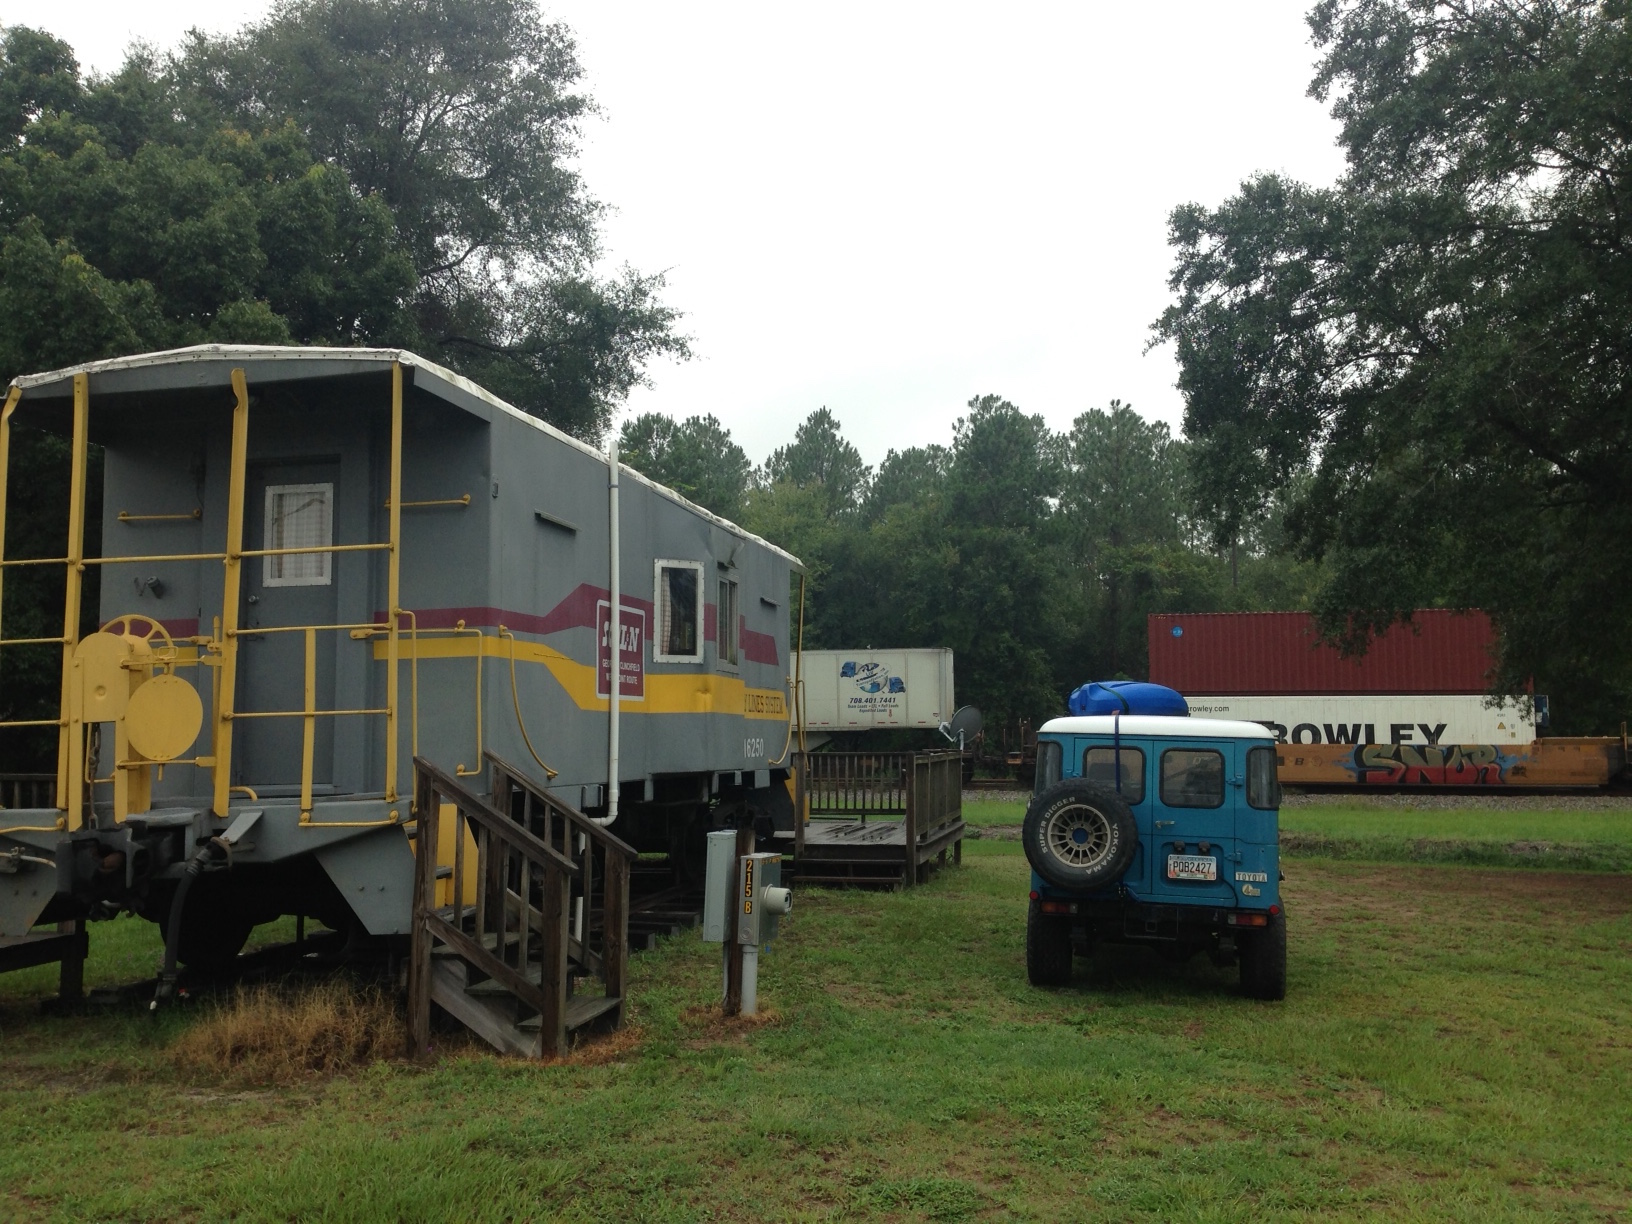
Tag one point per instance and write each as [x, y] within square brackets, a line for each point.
[1166, 824]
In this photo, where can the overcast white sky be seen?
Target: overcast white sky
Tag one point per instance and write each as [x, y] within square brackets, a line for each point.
[890, 208]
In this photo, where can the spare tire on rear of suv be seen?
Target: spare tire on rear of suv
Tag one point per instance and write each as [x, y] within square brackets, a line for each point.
[1079, 834]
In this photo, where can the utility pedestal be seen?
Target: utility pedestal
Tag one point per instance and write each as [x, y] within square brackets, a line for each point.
[743, 899]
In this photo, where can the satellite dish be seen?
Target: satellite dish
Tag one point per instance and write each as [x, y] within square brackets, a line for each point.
[963, 728]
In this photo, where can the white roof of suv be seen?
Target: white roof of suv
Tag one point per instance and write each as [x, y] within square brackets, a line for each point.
[1166, 726]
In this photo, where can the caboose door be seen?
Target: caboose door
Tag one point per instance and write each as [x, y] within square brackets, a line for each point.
[289, 505]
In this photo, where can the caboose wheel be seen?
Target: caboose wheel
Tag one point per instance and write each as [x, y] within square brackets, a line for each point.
[213, 929]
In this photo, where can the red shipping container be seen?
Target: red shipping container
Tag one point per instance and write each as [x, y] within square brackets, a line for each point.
[1279, 653]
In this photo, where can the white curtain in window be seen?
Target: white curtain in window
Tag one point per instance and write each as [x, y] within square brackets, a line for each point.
[299, 516]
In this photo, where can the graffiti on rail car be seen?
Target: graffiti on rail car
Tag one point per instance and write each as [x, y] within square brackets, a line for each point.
[1430, 764]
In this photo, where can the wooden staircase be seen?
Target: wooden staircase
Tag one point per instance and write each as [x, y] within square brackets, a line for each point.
[524, 937]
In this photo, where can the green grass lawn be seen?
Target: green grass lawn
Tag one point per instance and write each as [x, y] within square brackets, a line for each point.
[1453, 1047]
[1594, 840]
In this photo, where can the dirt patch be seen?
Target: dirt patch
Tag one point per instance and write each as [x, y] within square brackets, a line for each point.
[606, 1048]
[708, 1025]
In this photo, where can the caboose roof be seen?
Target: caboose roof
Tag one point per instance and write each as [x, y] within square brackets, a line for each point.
[211, 365]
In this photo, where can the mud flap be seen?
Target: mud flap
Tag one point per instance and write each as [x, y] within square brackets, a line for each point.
[375, 875]
[24, 894]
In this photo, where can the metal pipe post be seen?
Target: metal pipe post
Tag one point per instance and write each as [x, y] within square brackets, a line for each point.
[69, 788]
[231, 586]
[614, 631]
[750, 981]
[393, 578]
[13, 397]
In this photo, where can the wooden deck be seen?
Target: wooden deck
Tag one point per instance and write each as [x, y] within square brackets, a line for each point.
[872, 854]
[883, 820]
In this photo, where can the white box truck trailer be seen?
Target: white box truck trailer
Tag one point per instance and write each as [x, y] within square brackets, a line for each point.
[858, 690]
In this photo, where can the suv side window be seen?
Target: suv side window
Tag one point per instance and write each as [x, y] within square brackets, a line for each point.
[1099, 765]
[1048, 765]
[1193, 777]
[1263, 787]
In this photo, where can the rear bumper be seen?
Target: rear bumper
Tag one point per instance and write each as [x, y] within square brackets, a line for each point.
[1128, 921]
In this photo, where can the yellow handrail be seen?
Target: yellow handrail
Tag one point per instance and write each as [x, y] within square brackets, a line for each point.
[392, 818]
[393, 586]
[515, 695]
[125, 516]
[459, 771]
[437, 501]
[354, 628]
[60, 825]
[231, 589]
[239, 714]
[69, 795]
[13, 398]
[308, 731]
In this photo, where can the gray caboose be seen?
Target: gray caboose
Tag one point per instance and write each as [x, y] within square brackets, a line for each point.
[317, 564]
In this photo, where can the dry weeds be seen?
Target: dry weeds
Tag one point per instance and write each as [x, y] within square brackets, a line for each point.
[268, 1034]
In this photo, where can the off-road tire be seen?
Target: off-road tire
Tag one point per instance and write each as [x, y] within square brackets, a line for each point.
[1263, 960]
[1048, 947]
[1079, 835]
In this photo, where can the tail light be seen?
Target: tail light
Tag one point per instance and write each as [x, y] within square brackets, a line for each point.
[1247, 920]
[1059, 907]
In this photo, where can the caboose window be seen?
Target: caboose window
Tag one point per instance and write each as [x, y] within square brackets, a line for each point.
[679, 601]
[726, 620]
[299, 516]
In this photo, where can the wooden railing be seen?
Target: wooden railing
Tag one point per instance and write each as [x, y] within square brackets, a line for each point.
[934, 793]
[855, 784]
[924, 790]
[598, 925]
[515, 925]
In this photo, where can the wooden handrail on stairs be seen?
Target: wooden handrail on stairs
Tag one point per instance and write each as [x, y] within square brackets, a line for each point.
[502, 957]
[599, 924]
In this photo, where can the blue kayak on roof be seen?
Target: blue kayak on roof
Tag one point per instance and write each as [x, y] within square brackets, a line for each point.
[1127, 697]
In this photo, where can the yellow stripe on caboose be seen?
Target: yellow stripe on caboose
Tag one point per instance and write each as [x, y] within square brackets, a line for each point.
[666, 692]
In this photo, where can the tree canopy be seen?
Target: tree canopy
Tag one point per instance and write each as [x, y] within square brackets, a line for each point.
[1035, 555]
[696, 457]
[1426, 364]
[344, 172]
[393, 172]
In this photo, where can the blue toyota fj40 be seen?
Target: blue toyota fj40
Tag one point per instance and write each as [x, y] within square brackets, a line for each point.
[1152, 827]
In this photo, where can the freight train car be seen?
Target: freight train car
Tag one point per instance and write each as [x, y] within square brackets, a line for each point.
[1411, 711]
[317, 564]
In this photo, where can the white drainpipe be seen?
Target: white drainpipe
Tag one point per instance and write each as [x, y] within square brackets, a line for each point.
[615, 640]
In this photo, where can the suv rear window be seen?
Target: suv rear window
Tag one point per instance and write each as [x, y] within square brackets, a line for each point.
[1099, 765]
[1048, 764]
[1193, 777]
[1263, 787]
